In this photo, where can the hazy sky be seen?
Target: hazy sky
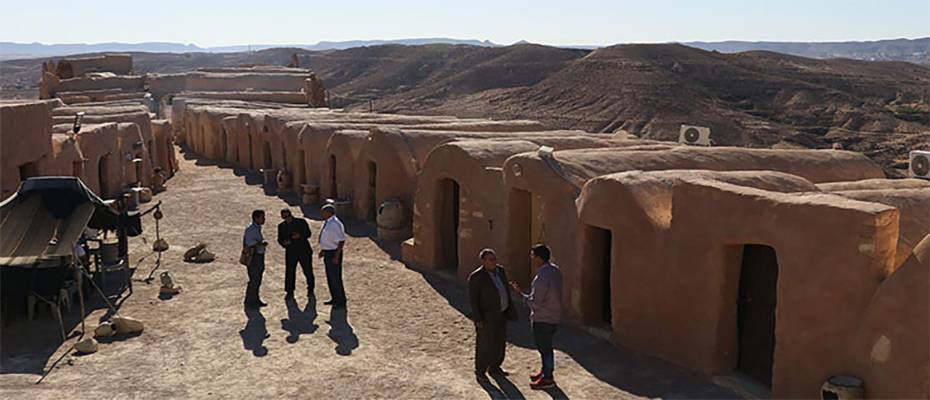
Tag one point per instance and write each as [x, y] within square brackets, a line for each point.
[216, 23]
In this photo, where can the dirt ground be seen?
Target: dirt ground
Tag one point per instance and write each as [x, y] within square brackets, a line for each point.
[404, 335]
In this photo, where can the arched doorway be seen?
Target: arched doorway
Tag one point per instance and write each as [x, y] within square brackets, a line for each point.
[224, 146]
[266, 155]
[447, 206]
[332, 177]
[755, 324]
[103, 175]
[372, 191]
[597, 265]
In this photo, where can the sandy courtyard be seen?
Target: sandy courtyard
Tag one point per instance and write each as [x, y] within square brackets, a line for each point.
[404, 335]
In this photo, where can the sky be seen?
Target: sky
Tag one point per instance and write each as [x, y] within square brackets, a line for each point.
[572, 22]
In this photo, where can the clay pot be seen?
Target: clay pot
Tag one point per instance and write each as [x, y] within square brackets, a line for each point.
[284, 180]
[391, 215]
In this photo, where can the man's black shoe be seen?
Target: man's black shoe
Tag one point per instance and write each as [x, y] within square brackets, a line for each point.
[498, 371]
[262, 303]
[329, 302]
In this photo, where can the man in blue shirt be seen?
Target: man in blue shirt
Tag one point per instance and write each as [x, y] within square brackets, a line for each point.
[545, 302]
[254, 239]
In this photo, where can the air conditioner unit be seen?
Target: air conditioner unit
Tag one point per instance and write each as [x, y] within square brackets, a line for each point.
[919, 164]
[694, 135]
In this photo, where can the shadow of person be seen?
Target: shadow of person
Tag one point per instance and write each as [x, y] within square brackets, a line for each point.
[556, 393]
[510, 390]
[341, 332]
[254, 333]
[299, 322]
[493, 391]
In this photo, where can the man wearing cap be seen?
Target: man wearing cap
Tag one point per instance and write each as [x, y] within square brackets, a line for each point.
[332, 241]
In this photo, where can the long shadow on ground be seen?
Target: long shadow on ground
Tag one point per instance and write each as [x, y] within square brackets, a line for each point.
[618, 367]
[621, 368]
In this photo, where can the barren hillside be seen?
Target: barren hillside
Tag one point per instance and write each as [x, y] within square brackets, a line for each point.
[757, 98]
[410, 78]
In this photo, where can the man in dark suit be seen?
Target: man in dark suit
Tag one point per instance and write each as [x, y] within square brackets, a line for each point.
[491, 308]
[294, 235]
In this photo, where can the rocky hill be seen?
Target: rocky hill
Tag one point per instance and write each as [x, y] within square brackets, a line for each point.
[756, 98]
[759, 99]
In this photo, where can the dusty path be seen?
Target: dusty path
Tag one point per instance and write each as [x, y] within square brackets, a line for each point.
[404, 334]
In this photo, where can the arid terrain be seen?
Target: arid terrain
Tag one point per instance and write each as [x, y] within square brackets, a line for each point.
[404, 334]
[753, 99]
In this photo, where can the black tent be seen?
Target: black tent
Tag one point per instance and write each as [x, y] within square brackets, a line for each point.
[39, 226]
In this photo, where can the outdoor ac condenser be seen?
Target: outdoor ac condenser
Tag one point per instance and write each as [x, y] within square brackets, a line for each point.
[694, 135]
[919, 165]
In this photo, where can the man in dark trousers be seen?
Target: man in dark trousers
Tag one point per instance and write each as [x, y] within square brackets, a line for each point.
[294, 235]
[253, 239]
[491, 308]
[332, 242]
[545, 302]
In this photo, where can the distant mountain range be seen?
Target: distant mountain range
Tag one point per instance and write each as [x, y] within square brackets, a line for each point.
[10, 50]
[911, 50]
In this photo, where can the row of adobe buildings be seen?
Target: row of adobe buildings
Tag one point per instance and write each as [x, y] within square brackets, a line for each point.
[787, 266]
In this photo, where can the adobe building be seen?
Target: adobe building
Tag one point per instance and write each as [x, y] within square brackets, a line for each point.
[100, 145]
[337, 178]
[769, 277]
[135, 163]
[25, 142]
[165, 156]
[460, 197]
[136, 140]
[542, 191]
[67, 158]
[388, 163]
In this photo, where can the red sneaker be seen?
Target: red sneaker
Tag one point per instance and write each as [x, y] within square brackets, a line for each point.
[542, 384]
[535, 377]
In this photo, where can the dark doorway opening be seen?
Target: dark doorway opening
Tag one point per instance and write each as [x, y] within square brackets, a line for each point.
[598, 263]
[251, 163]
[300, 169]
[266, 155]
[103, 174]
[333, 178]
[372, 191]
[224, 146]
[520, 209]
[756, 312]
[448, 206]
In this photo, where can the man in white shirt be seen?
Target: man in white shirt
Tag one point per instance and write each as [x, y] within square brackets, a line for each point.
[332, 241]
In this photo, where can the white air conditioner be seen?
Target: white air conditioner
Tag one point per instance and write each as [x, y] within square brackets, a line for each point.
[694, 135]
[919, 165]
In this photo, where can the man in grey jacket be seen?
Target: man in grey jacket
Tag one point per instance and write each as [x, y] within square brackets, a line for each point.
[545, 303]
